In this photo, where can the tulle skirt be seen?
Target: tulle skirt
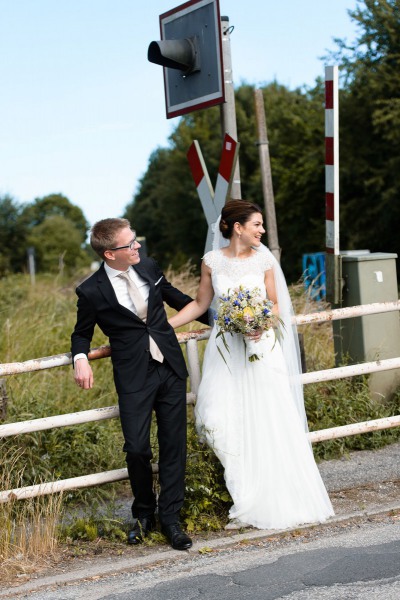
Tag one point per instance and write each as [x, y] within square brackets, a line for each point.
[246, 414]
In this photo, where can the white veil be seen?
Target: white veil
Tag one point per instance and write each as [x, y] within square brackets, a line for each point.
[289, 341]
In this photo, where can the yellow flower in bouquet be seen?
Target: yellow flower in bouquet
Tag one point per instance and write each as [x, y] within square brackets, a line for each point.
[248, 314]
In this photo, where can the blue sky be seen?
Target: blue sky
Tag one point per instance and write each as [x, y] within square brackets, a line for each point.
[81, 108]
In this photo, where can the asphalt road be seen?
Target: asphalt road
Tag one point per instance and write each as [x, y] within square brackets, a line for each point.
[358, 560]
[356, 555]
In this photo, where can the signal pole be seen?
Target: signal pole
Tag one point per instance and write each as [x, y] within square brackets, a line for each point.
[228, 109]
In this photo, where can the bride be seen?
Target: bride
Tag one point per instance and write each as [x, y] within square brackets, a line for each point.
[252, 413]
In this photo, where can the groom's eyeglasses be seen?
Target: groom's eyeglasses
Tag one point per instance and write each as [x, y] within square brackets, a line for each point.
[130, 245]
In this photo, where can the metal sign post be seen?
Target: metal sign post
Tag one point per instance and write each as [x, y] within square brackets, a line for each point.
[228, 108]
[31, 264]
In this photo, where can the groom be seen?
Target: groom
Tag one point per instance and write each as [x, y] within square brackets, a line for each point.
[125, 298]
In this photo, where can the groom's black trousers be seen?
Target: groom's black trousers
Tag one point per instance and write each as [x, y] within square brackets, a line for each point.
[164, 392]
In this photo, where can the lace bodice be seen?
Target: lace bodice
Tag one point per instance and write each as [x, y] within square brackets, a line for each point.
[227, 273]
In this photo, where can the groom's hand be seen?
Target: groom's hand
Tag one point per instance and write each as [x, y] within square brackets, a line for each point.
[83, 374]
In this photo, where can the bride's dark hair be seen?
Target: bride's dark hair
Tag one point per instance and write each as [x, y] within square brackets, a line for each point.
[236, 211]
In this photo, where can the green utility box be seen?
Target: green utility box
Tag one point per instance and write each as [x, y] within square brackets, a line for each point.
[369, 277]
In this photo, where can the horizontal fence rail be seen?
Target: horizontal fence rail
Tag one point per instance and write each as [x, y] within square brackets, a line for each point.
[109, 412]
[65, 359]
[348, 313]
[351, 370]
[190, 339]
[94, 479]
[334, 433]
[62, 360]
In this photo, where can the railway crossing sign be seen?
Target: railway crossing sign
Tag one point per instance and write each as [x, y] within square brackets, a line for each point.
[213, 201]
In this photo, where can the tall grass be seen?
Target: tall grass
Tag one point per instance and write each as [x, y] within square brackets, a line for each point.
[28, 530]
[39, 324]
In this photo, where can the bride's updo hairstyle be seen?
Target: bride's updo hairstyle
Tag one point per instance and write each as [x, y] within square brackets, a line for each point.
[236, 211]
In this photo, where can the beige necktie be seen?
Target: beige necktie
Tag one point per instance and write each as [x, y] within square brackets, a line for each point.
[141, 311]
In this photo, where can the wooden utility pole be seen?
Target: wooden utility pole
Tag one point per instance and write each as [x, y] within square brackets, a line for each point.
[266, 178]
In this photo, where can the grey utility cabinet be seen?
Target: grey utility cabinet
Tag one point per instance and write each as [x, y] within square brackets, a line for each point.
[369, 277]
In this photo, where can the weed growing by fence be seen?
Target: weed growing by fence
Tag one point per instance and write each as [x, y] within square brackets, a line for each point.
[28, 529]
[207, 500]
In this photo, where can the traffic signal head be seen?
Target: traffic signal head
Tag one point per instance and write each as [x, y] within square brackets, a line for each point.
[182, 55]
[190, 51]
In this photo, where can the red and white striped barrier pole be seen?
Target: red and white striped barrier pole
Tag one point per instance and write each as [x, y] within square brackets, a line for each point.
[332, 159]
[332, 256]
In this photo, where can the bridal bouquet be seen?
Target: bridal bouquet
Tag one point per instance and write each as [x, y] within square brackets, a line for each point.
[243, 311]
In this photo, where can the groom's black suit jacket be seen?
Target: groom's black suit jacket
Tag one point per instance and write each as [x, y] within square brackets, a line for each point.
[127, 333]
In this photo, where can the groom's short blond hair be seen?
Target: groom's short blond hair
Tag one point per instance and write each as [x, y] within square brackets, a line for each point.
[104, 232]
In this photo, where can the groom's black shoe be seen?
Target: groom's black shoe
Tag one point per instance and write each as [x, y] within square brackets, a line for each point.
[141, 528]
[178, 539]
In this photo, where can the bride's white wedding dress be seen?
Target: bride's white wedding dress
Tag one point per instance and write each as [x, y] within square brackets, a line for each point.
[246, 412]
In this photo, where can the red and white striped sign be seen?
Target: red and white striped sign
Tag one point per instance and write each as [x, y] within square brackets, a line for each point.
[202, 180]
[213, 202]
[226, 171]
[332, 159]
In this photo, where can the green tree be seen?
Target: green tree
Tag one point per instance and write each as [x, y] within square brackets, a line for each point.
[52, 205]
[167, 210]
[57, 244]
[12, 235]
[295, 122]
[369, 128]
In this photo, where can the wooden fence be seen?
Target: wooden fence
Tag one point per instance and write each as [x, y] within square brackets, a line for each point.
[190, 340]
